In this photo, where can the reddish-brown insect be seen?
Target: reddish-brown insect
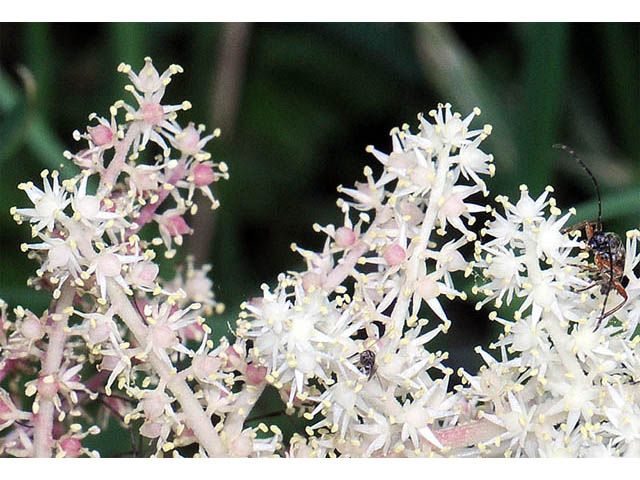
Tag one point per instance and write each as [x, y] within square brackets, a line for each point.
[608, 252]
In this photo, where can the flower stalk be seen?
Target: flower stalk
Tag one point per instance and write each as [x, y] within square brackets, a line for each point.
[43, 425]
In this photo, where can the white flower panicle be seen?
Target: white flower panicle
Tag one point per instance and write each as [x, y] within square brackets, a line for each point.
[565, 383]
[374, 292]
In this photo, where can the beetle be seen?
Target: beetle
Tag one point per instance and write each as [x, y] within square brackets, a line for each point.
[608, 251]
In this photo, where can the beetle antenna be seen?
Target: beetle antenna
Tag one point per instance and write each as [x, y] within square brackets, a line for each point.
[570, 151]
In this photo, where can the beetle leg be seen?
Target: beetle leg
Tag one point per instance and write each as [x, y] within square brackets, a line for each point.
[588, 287]
[623, 293]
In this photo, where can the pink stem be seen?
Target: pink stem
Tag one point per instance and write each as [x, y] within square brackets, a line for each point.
[110, 176]
[468, 434]
[245, 400]
[344, 269]
[43, 425]
[194, 416]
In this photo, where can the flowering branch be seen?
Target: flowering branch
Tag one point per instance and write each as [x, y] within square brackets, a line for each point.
[126, 324]
[194, 415]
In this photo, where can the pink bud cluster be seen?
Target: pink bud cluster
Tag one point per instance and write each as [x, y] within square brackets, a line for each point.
[117, 336]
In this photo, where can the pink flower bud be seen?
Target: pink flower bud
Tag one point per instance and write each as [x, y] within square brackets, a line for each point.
[101, 135]
[4, 409]
[100, 333]
[59, 256]
[109, 362]
[108, 264]
[453, 206]
[87, 206]
[32, 328]
[413, 212]
[198, 287]
[178, 226]
[144, 178]
[188, 140]
[233, 357]
[427, 288]
[71, 447]
[421, 176]
[401, 160]
[193, 331]
[154, 404]
[345, 237]
[242, 446]
[144, 273]
[394, 255]
[151, 429]
[255, 375]
[203, 175]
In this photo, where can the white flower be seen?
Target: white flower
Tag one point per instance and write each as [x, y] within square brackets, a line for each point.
[89, 209]
[108, 265]
[165, 321]
[453, 207]
[152, 118]
[48, 204]
[473, 161]
[450, 130]
[378, 432]
[526, 209]
[63, 258]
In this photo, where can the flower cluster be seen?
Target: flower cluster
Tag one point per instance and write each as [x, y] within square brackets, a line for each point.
[348, 342]
[117, 335]
[565, 383]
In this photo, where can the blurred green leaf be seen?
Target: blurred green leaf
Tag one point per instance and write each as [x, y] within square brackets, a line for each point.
[47, 148]
[40, 60]
[128, 44]
[270, 410]
[621, 46]
[13, 129]
[113, 441]
[9, 94]
[545, 54]
[388, 47]
[24, 125]
[616, 205]
[452, 70]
